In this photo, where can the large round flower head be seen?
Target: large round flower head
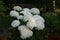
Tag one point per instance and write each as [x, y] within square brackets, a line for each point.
[25, 32]
[26, 15]
[38, 18]
[40, 25]
[15, 23]
[35, 11]
[26, 9]
[18, 8]
[14, 13]
[31, 23]
[20, 17]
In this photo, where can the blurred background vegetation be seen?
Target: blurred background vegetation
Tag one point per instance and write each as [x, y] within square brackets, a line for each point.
[50, 11]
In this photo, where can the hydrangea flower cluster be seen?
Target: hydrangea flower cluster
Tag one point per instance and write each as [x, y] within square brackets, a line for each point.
[31, 18]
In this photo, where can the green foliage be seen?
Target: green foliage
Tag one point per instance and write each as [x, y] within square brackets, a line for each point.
[1, 7]
[52, 20]
[5, 19]
[59, 17]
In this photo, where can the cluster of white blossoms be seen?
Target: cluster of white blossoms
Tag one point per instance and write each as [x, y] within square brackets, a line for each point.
[31, 18]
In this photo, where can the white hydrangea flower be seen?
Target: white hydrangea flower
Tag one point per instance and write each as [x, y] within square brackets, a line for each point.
[15, 23]
[20, 17]
[39, 22]
[38, 18]
[26, 9]
[26, 15]
[35, 11]
[40, 25]
[31, 23]
[14, 13]
[25, 32]
[18, 8]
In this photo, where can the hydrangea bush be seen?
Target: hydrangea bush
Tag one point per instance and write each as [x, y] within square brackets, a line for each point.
[30, 18]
